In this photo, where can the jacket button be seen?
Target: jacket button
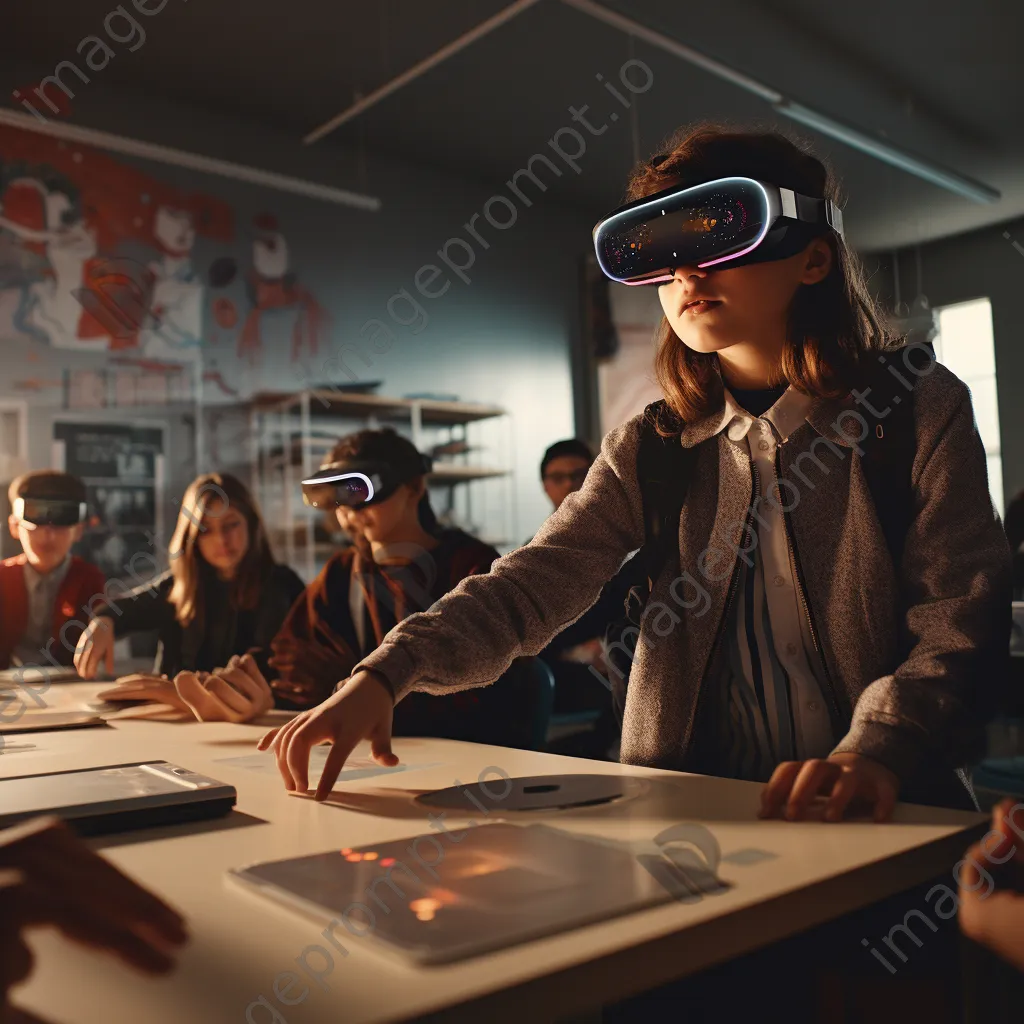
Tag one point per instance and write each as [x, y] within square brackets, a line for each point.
[779, 581]
[813, 706]
[763, 445]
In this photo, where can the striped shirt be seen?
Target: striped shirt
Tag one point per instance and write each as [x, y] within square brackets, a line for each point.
[771, 704]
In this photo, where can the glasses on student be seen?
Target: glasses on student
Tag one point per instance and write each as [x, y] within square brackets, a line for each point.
[576, 478]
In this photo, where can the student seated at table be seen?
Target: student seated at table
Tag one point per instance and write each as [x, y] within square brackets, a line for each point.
[44, 590]
[50, 878]
[224, 595]
[400, 562]
[789, 638]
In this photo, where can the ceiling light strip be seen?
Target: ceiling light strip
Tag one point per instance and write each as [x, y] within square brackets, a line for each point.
[856, 138]
[192, 161]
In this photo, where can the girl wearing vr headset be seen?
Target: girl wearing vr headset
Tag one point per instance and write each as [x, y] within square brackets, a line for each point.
[215, 610]
[400, 562]
[783, 639]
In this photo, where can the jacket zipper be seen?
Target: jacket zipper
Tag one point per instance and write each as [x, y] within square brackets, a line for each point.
[755, 491]
[795, 558]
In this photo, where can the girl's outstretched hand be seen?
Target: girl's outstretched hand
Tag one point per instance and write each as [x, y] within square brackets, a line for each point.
[842, 779]
[361, 710]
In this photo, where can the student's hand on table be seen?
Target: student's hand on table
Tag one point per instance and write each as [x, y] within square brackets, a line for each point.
[235, 693]
[95, 649]
[49, 877]
[362, 709]
[842, 779]
[307, 672]
[992, 886]
[141, 686]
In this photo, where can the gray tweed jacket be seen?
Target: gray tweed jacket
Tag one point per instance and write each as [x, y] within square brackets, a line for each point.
[917, 704]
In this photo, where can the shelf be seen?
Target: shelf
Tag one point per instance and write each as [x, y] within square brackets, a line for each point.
[445, 474]
[357, 406]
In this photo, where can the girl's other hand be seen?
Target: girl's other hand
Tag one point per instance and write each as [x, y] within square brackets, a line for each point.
[843, 779]
[95, 648]
[362, 709]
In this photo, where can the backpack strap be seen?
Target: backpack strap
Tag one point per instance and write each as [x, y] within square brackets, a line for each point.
[890, 447]
[664, 469]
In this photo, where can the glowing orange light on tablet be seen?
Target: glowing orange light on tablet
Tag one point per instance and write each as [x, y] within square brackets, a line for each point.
[354, 857]
[387, 862]
[425, 908]
[370, 856]
[346, 851]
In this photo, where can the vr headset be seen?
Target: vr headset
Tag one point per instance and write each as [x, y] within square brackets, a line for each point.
[50, 511]
[355, 483]
[727, 222]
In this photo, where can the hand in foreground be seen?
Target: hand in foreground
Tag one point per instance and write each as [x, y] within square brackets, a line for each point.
[361, 709]
[992, 908]
[307, 671]
[49, 877]
[95, 648]
[844, 779]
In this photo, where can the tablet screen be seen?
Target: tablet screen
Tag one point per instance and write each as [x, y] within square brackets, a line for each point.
[500, 884]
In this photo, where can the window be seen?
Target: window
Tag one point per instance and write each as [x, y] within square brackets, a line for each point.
[965, 344]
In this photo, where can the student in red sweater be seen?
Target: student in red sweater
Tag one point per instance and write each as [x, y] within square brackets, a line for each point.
[43, 590]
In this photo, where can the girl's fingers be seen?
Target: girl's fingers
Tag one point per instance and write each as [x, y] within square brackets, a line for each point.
[300, 743]
[810, 780]
[339, 753]
[267, 739]
[281, 747]
[777, 789]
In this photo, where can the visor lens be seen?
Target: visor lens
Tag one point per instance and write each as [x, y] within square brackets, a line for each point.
[697, 225]
[51, 512]
[349, 492]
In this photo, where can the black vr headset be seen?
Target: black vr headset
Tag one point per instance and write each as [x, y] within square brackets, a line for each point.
[727, 222]
[50, 511]
[358, 482]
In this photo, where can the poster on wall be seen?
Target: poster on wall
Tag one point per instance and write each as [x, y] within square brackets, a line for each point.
[122, 467]
[143, 291]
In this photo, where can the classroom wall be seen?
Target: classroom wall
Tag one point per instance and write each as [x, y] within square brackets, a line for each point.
[977, 264]
[505, 331]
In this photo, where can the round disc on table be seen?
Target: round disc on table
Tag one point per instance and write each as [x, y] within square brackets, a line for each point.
[533, 793]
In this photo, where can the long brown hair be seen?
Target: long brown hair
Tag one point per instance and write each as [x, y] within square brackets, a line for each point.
[188, 566]
[831, 324]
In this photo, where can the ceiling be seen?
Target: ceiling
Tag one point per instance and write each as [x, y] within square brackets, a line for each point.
[919, 73]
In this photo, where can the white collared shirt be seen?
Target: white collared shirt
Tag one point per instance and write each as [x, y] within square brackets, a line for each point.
[776, 710]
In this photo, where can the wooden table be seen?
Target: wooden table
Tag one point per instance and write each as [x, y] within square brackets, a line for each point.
[785, 877]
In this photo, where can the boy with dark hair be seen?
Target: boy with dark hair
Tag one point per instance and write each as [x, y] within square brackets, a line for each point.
[43, 591]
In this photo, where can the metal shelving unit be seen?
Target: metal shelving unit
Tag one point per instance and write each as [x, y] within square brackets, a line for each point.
[290, 433]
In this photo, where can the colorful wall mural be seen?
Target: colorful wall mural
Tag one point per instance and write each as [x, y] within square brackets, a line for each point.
[99, 257]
